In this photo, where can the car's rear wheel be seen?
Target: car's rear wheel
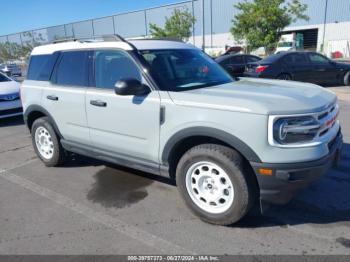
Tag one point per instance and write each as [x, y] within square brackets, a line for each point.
[215, 183]
[347, 79]
[46, 143]
[284, 77]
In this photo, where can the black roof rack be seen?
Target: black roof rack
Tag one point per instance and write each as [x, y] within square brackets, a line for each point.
[102, 38]
[174, 39]
[107, 38]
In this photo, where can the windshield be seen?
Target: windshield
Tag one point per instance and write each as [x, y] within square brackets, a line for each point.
[184, 69]
[285, 44]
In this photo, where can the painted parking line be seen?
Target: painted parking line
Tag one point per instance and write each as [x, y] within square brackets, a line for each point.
[131, 231]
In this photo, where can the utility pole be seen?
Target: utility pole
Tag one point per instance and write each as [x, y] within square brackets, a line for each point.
[324, 25]
[203, 27]
[193, 25]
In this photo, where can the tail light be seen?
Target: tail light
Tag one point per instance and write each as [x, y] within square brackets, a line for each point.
[260, 68]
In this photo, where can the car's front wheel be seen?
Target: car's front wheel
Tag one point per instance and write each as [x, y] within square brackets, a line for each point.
[215, 183]
[284, 77]
[347, 79]
[46, 144]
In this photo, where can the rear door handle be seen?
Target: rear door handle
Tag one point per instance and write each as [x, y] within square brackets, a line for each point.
[52, 97]
[98, 103]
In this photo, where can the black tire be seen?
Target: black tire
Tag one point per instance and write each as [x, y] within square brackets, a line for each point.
[284, 77]
[243, 181]
[347, 79]
[59, 154]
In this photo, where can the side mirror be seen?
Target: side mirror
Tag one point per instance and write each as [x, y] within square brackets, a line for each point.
[130, 87]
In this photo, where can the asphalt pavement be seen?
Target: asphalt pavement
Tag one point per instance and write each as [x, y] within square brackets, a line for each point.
[90, 207]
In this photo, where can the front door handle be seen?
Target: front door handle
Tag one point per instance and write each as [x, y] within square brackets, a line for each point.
[98, 103]
[52, 97]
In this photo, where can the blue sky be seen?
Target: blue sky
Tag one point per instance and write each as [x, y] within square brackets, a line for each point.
[22, 15]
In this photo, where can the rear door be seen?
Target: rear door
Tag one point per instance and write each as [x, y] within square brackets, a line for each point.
[64, 97]
[298, 66]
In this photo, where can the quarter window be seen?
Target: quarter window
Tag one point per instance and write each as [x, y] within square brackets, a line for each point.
[112, 66]
[225, 62]
[237, 60]
[73, 69]
[41, 66]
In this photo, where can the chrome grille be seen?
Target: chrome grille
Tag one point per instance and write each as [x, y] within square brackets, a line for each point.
[327, 119]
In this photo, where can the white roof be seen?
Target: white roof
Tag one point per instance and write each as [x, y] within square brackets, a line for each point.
[160, 44]
[139, 44]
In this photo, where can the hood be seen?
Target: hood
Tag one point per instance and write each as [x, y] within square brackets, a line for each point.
[259, 96]
[342, 64]
[10, 87]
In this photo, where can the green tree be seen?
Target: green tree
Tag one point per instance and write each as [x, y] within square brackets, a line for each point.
[14, 51]
[5, 52]
[177, 26]
[260, 22]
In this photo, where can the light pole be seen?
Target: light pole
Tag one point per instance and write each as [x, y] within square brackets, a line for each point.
[203, 27]
[324, 25]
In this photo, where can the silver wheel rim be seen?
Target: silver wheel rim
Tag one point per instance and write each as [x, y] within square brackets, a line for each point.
[284, 77]
[209, 187]
[44, 143]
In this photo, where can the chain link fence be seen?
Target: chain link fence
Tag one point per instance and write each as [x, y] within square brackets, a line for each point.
[331, 19]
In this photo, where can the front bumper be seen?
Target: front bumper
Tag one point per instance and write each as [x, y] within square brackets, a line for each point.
[11, 108]
[287, 179]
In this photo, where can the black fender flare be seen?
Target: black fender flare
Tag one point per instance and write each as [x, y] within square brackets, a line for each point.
[38, 108]
[223, 136]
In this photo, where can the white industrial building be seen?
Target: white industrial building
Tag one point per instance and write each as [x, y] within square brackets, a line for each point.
[328, 26]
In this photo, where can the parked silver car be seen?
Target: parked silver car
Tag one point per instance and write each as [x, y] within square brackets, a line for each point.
[166, 108]
[10, 103]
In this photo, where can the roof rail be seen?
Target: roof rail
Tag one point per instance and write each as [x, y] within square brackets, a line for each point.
[103, 38]
[111, 38]
[174, 39]
[62, 40]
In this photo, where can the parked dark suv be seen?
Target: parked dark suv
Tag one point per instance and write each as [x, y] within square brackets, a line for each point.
[301, 66]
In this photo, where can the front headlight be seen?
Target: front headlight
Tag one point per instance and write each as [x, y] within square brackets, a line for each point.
[294, 130]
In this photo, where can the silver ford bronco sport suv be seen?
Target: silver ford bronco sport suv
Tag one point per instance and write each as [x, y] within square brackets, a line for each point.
[165, 107]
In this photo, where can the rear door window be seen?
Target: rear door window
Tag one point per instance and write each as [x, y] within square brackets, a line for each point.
[72, 69]
[294, 59]
[300, 59]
